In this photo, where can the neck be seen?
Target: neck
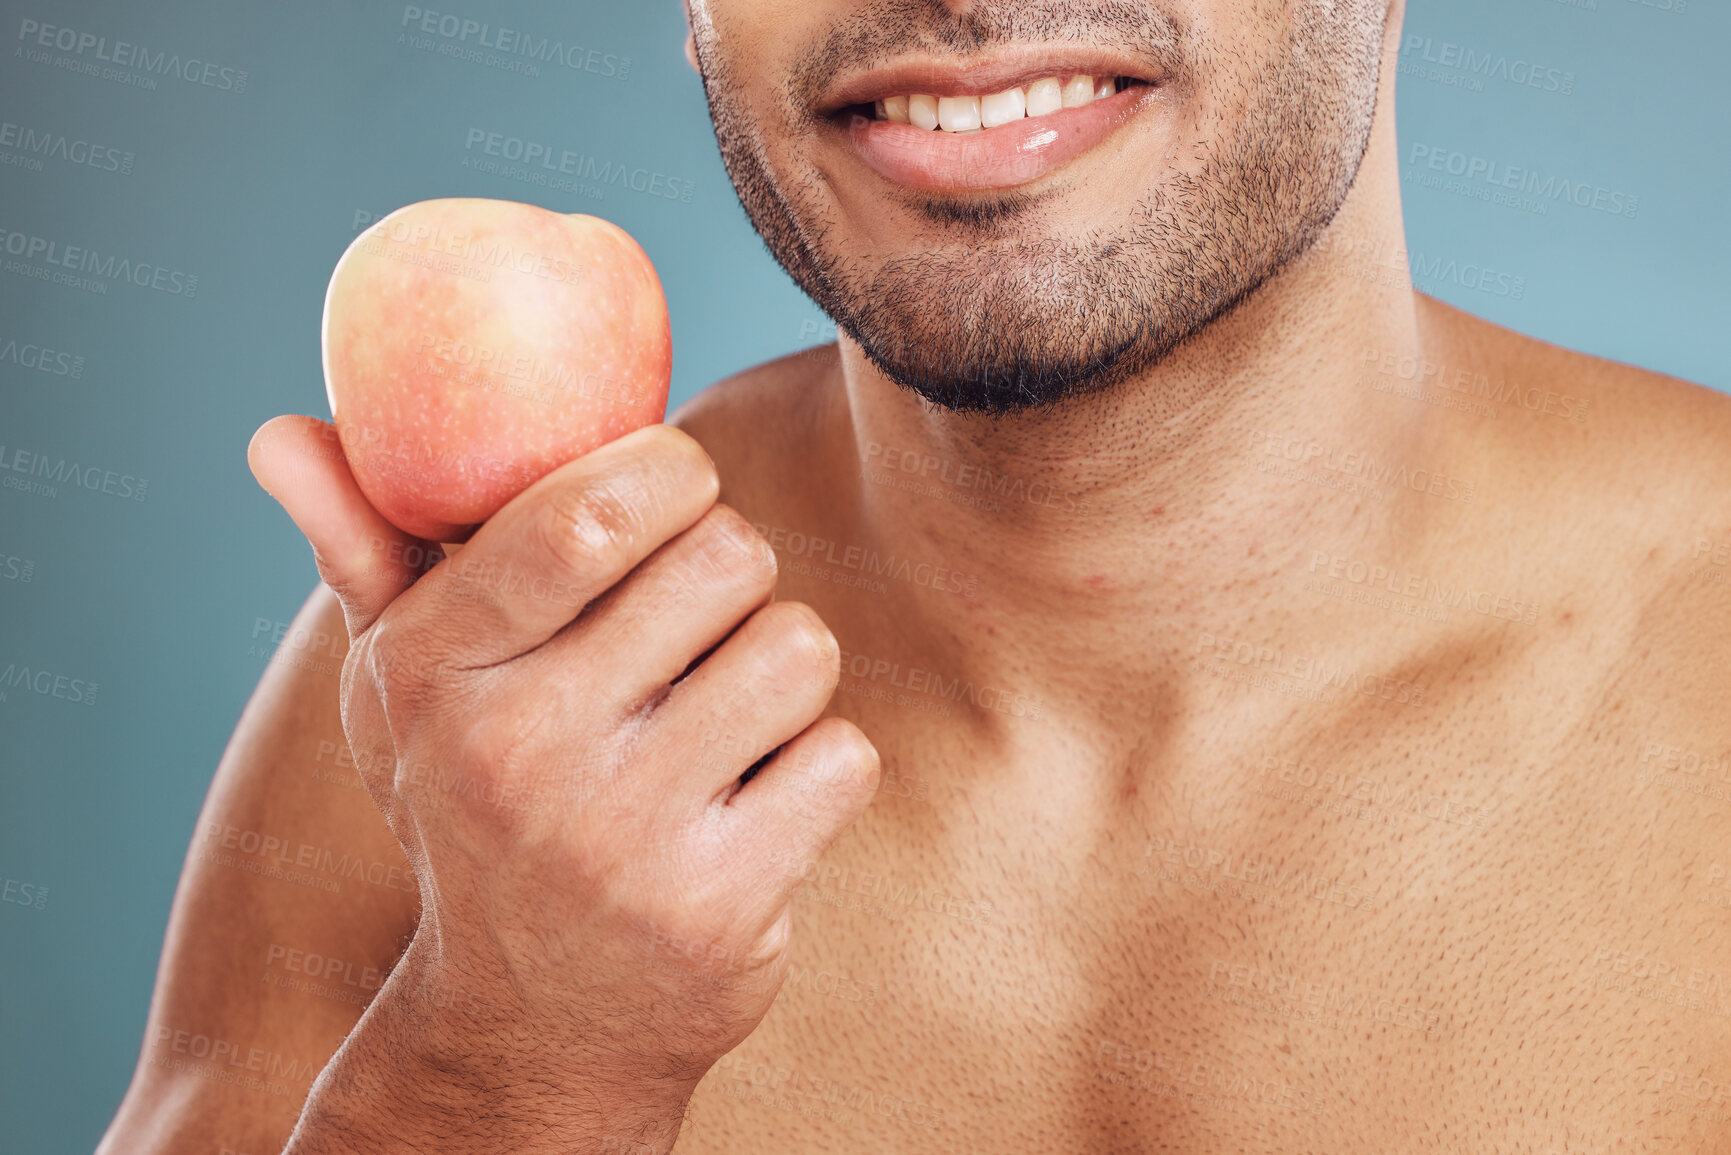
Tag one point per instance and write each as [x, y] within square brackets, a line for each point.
[1105, 535]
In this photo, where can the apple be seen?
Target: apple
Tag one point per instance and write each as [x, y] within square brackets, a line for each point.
[472, 346]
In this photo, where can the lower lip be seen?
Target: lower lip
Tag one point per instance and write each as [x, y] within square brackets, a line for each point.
[1002, 157]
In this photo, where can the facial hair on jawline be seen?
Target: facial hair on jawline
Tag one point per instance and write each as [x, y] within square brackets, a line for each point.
[998, 321]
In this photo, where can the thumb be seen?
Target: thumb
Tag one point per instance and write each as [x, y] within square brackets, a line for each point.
[364, 559]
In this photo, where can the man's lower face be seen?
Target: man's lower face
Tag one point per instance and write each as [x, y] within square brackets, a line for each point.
[1012, 202]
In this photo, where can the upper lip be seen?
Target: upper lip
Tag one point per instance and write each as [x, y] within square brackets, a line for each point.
[1004, 69]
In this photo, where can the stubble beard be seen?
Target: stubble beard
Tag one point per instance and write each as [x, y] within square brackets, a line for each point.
[989, 316]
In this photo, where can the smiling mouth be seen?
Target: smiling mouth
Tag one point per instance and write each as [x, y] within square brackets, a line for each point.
[1003, 139]
[966, 114]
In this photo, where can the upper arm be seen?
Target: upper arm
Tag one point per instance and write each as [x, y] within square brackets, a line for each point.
[294, 902]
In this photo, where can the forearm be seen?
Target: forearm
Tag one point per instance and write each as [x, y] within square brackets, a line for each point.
[395, 1088]
[260, 978]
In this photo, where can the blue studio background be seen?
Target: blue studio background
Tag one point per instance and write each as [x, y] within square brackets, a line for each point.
[252, 170]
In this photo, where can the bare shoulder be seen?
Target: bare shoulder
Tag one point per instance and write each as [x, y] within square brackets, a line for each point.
[767, 423]
[1618, 507]
[1624, 446]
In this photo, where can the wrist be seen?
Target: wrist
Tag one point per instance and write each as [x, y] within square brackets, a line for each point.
[405, 1081]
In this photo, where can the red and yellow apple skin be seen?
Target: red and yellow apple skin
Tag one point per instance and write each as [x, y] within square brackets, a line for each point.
[473, 346]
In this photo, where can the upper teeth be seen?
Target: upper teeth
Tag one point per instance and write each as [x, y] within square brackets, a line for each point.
[973, 113]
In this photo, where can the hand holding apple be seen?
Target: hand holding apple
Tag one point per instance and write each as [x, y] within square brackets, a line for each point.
[579, 659]
[472, 346]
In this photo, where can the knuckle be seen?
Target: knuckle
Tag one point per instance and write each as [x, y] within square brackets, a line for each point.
[774, 943]
[404, 666]
[587, 530]
[841, 761]
[492, 744]
[738, 551]
[405, 654]
[797, 638]
[854, 752]
[685, 457]
[389, 651]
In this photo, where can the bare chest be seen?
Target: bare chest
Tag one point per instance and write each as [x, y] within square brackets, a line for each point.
[1409, 939]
